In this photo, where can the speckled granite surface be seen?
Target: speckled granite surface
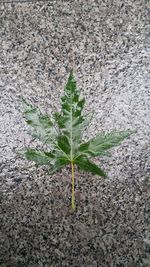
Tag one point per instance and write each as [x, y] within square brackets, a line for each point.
[107, 44]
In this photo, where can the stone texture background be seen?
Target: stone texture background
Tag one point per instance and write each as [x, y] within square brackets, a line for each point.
[107, 44]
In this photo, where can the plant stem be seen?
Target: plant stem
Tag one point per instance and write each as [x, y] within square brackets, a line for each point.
[73, 198]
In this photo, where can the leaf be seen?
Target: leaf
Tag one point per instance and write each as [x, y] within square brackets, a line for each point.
[44, 129]
[70, 120]
[63, 135]
[99, 145]
[64, 145]
[57, 164]
[87, 165]
[67, 144]
[40, 157]
[54, 160]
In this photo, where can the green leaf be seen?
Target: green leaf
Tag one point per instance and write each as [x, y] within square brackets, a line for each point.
[63, 135]
[64, 145]
[99, 145]
[40, 157]
[58, 164]
[87, 165]
[70, 120]
[43, 127]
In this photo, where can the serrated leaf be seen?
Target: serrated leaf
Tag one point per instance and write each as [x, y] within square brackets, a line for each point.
[70, 120]
[87, 165]
[39, 157]
[99, 145]
[65, 143]
[68, 144]
[43, 127]
[58, 164]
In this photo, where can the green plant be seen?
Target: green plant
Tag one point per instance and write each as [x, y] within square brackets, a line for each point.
[63, 134]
